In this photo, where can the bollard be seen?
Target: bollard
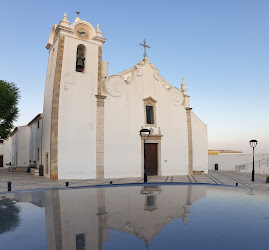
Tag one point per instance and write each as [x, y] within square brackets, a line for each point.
[9, 186]
[67, 184]
[145, 177]
[236, 184]
[41, 170]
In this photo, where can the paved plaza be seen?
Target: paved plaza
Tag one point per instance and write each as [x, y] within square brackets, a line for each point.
[25, 181]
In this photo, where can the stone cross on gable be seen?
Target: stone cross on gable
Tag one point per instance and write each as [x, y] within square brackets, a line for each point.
[145, 47]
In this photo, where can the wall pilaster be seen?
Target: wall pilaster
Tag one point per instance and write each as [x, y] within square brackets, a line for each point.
[100, 54]
[190, 151]
[100, 136]
[55, 111]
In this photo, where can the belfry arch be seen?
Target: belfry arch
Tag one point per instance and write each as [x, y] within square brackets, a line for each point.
[80, 58]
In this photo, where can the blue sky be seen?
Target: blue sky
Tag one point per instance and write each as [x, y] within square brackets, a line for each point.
[220, 48]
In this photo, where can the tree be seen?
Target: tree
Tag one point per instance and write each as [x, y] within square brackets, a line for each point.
[9, 215]
[9, 111]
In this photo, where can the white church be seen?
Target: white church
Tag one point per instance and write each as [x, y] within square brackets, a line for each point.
[91, 122]
[91, 214]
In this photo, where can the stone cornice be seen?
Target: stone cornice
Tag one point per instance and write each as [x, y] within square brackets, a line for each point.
[61, 27]
[99, 39]
[35, 119]
[100, 96]
[152, 137]
[14, 132]
[93, 41]
[149, 100]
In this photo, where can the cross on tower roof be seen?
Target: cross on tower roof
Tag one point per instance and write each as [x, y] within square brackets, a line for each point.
[145, 47]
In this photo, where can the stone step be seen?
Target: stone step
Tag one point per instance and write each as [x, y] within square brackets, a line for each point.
[35, 171]
[17, 169]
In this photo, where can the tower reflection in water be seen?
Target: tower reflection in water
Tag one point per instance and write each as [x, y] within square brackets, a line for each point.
[82, 218]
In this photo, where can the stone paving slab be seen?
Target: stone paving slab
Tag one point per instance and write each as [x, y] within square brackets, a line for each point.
[25, 181]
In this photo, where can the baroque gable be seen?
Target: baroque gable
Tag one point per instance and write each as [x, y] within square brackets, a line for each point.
[116, 85]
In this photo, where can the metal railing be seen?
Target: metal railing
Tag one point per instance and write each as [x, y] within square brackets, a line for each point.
[258, 164]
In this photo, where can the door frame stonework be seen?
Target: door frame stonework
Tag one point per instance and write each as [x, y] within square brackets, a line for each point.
[152, 139]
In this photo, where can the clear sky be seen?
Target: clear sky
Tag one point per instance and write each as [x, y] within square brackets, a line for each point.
[219, 47]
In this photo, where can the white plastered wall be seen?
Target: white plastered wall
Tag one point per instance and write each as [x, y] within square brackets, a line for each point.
[85, 205]
[227, 162]
[35, 141]
[20, 147]
[32, 143]
[23, 146]
[14, 149]
[124, 117]
[77, 113]
[6, 151]
[199, 144]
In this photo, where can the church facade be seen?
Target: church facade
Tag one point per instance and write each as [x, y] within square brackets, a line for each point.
[89, 215]
[91, 121]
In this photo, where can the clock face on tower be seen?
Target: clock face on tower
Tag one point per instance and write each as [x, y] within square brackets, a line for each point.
[82, 32]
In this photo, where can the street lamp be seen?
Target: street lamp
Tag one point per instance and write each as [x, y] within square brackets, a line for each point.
[144, 133]
[253, 144]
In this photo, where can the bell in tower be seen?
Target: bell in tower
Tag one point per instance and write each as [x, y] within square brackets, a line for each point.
[80, 59]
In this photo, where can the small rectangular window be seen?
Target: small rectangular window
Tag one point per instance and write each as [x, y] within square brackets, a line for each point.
[149, 114]
[1, 141]
[80, 242]
[38, 125]
[150, 201]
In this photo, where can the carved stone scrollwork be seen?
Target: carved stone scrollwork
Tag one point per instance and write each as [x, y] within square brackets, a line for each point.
[128, 81]
[177, 97]
[116, 220]
[115, 86]
[136, 73]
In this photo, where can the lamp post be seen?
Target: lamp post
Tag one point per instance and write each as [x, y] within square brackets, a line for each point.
[143, 133]
[253, 144]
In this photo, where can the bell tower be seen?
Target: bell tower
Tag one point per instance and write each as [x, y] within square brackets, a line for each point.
[73, 83]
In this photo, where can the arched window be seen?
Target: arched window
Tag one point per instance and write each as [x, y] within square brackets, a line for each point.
[80, 60]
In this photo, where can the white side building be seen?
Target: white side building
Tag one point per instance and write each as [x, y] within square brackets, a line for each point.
[5, 152]
[35, 139]
[20, 146]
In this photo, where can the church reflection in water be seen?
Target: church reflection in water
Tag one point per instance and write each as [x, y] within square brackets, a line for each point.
[82, 218]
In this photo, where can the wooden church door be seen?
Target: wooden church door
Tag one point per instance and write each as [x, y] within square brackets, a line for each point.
[151, 158]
